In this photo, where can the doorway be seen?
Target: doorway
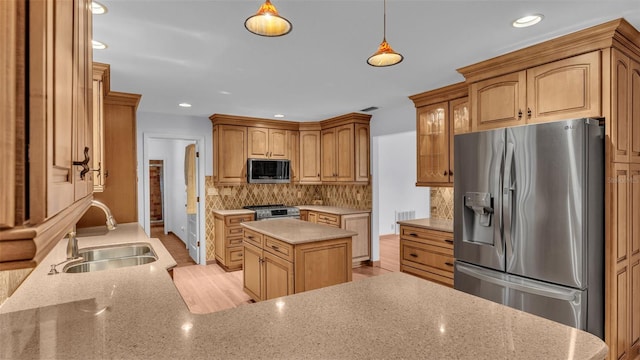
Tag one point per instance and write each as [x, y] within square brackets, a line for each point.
[171, 150]
[156, 192]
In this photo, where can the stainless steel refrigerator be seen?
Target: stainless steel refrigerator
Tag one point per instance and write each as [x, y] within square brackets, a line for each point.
[529, 219]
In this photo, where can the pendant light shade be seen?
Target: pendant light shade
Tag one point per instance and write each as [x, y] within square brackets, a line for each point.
[267, 22]
[384, 56]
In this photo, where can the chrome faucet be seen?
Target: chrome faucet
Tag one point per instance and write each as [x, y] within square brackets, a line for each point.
[72, 246]
[111, 222]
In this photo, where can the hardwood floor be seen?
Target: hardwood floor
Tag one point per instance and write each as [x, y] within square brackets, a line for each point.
[174, 245]
[207, 289]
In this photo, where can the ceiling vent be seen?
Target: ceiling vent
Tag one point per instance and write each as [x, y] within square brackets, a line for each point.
[370, 108]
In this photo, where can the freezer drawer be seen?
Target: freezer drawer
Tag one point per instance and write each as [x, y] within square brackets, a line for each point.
[564, 305]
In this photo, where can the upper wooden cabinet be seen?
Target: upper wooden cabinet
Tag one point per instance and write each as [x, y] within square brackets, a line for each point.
[337, 153]
[440, 114]
[101, 79]
[266, 143]
[229, 154]
[625, 107]
[563, 89]
[335, 150]
[310, 156]
[47, 113]
[345, 149]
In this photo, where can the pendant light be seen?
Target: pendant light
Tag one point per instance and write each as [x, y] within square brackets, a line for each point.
[385, 56]
[267, 22]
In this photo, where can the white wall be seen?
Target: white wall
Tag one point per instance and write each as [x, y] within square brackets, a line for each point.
[397, 178]
[175, 197]
[389, 126]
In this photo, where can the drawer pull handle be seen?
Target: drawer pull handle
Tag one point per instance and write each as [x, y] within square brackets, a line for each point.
[250, 237]
[413, 255]
[449, 241]
[413, 234]
[448, 263]
[275, 247]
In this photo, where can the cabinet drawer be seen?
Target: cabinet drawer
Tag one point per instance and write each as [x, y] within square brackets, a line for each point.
[253, 238]
[427, 275]
[329, 219]
[279, 248]
[233, 241]
[235, 255]
[421, 255]
[231, 220]
[233, 231]
[426, 236]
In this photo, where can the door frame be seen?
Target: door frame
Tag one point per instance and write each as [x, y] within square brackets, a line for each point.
[201, 161]
[164, 202]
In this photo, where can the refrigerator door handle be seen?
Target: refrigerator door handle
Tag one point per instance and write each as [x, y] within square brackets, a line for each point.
[523, 285]
[507, 199]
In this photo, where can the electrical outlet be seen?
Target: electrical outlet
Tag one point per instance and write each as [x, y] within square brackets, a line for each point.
[299, 194]
[212, 191]
[359, 197]
[226, 191]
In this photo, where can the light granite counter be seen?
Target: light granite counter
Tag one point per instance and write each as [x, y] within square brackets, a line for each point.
[233, 212]
[432, 224]
[332, 209]
[294, 231]
[385, 317]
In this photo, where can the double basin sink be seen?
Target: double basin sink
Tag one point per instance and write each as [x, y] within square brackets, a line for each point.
[111, 257]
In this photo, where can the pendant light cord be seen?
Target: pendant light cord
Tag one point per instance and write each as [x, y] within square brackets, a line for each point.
[384, 21]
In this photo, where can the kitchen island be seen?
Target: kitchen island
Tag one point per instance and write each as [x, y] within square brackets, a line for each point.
[286, 256]
[389, 316]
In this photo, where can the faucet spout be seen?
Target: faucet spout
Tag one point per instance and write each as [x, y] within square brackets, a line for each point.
[72, 247]
[111, 222]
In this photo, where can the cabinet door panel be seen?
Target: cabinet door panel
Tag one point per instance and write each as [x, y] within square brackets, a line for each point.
[344, 153]
[232, 154]
[460, 124]
[362, 152]
[278, 277]
[328, 148]
[257, 142]
[294, 155]
[278, 144]
[564, 89]
[433, 144]
[620, 125]
[634, 118]
[219, 232]
[499, 102]
[252, 274]
[635, 301]
[620, 215]
[621, 308]
[310, 156]
[322, 264]
[634, 217]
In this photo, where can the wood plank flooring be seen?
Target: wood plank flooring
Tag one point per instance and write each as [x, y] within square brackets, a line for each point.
[207, 289]
[174, 245]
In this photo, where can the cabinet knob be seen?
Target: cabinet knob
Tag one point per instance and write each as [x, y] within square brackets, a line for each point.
[413, 234]
[450, 172]
[445, 173]
[519, 114]
[318, 174]
[449, 241]
[448, 263]
[529, 112]
[413, 255]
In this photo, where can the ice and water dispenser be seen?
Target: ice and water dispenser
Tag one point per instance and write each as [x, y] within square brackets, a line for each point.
[481, 205]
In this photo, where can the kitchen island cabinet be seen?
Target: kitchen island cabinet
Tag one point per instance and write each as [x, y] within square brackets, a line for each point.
[348, 219]
[147, 319]
[287, 256]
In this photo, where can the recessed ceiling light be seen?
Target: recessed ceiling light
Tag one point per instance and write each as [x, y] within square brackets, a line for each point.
[97, 8]
[184, 105]
[528, 20]
[223, 92]
[278, 115]
[98, 45]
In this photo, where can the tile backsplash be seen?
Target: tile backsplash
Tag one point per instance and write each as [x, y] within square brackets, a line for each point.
[442, 203]
[236, 197]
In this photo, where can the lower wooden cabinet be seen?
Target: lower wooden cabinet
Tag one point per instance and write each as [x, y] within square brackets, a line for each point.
[273, 268]
[228, 240]
[360, 223]
[427, 254]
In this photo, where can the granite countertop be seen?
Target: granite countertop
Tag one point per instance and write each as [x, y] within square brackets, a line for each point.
[432, 224]
[332, 209]
[233, 212]
[294, 231]
[389, 316]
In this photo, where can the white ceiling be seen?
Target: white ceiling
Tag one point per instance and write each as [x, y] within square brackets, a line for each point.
[198, 51]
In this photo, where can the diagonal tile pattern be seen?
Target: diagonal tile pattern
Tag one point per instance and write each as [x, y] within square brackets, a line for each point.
[442, 203]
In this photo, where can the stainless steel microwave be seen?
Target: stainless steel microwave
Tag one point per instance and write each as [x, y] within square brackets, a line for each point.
[268, 171]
